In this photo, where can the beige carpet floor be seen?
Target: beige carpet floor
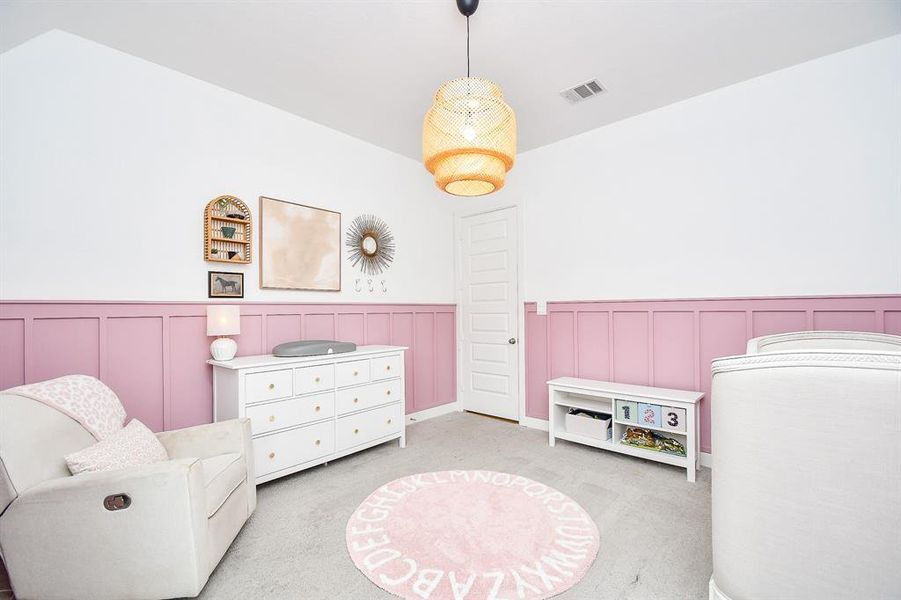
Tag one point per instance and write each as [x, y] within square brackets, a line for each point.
[655, 525]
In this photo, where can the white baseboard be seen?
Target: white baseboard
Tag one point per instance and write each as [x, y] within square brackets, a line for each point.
[534, 423]
[706, 459]
[431, 413]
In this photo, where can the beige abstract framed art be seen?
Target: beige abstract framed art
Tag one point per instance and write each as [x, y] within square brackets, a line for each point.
[300, 246]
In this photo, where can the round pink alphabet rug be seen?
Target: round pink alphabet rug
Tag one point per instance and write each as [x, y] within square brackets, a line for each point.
[471, 535]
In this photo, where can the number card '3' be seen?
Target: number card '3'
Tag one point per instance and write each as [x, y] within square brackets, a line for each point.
[673, 418]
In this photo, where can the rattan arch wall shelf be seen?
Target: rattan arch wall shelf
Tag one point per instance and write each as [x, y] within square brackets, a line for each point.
[227, 231]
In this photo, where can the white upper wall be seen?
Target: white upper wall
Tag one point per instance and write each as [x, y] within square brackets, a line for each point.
[787, 184]
[106, 163]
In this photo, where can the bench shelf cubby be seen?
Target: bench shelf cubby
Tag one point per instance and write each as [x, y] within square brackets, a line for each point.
[677, 412]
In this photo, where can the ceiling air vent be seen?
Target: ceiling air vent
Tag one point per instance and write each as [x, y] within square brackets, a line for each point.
[583, 91]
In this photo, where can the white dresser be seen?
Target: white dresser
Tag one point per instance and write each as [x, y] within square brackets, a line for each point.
[307, 411]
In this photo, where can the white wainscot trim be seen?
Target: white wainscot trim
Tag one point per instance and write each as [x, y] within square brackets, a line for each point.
[533, 423]
[435, 411]
[706, 459]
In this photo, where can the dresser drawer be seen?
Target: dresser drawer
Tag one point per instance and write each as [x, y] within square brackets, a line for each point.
[293, 447]
[351, 373]
[371, 425]
[367, 396]
[314, 379]
[268, 386]
[386, 367]
[288, 413]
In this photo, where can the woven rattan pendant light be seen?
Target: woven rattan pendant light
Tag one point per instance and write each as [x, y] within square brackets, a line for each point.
[469, 133]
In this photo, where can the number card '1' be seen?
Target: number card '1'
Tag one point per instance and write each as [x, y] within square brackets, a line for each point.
[626, 412]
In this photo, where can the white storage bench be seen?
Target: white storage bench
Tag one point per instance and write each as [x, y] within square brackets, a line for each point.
[670, 413]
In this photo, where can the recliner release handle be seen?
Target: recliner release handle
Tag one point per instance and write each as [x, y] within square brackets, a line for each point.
[117, 502]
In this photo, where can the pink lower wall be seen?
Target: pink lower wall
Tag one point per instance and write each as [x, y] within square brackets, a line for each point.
[670, 343]
[153, 354]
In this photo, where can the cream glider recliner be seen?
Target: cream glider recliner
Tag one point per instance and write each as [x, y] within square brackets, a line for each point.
[59, 540]
[806, 474]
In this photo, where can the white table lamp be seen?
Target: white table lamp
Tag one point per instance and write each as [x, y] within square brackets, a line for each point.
[222, 320]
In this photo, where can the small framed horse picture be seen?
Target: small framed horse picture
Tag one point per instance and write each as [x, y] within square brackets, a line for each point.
[225, 285]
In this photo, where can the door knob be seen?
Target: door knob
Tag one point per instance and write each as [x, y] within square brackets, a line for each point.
[511, 341]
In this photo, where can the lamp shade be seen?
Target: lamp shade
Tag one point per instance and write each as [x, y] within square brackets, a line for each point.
[469, 137]
[223, 320]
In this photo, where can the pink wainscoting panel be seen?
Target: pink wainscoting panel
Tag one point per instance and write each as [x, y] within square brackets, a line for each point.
[281, 328]
[674, 349]
[593, 345]
[64, 346]
[536, 365]
[351, 328]
[671, 342]
[424, 361]
[378, 328]
[402, 335]
[562, 345]
[445, 358]
[12, 353]
[630, 347]
[893, 322]
[154, 354]
[850, 320]
[131, 341]
[250, 341]
[720, 333]
[768, 322]
[191, 392]
[319, 327]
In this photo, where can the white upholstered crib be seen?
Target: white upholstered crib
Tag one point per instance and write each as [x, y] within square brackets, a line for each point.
[806, 474]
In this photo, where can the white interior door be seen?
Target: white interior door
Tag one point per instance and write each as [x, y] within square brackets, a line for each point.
[489, 313]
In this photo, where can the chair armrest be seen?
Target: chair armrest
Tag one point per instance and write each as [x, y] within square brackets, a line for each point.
[204, 441]
[60, 531]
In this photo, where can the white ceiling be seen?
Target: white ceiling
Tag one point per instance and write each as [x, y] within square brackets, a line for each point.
[369, 68]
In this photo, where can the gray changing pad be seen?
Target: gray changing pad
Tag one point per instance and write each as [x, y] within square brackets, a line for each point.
[313, 348]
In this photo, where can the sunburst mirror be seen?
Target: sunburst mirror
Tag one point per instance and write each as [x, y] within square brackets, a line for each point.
[370, 244]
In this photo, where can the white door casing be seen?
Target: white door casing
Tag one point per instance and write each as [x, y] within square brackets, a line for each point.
[488, 303]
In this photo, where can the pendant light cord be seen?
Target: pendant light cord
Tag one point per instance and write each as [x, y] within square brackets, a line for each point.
[467, 46]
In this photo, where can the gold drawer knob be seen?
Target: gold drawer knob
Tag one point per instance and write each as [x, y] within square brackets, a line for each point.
[317, 408]
[389, 421]
[317, 442]
[271, 418]
[356, 400]
[271, 386]
[356, 431]
[272, 455]
[388, 392]
[316, 380]
[356, 373]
